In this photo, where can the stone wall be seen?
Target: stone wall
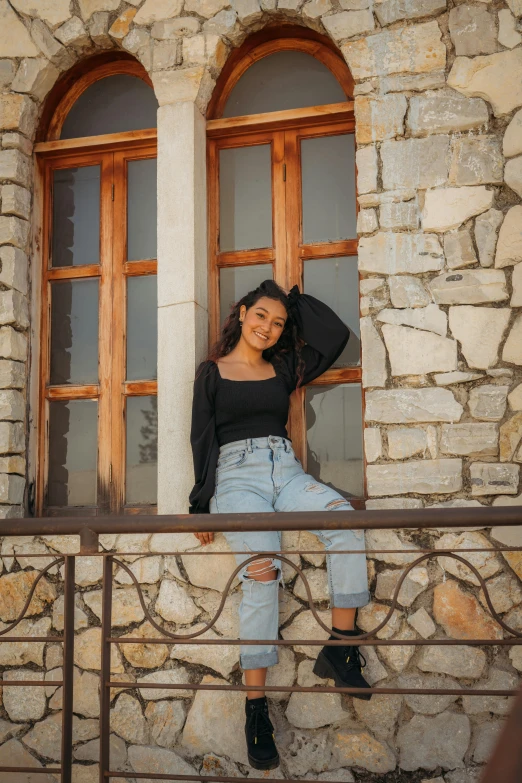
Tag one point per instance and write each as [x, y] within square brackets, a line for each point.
[439, 135]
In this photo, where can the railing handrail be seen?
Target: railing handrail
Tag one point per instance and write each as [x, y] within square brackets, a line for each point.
[385, 519]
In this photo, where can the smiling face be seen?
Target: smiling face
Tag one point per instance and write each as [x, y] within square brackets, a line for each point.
[263, 323]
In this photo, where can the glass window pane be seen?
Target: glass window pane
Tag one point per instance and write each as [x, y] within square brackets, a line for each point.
[141, 209]
[335, 281]
[245, 198]
[76, 216]
[284, 80]
[73, 442]
[335, 436]
[235, 282]
[74, 331]
[142, 450]
[112, 105]
[142, 328]
[328, 182]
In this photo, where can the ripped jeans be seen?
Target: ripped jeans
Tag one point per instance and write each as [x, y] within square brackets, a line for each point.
[263, 474]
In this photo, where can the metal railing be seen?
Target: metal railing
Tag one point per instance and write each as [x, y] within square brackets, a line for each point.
[89, 530]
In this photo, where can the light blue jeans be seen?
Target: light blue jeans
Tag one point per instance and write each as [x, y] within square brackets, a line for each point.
[263, 474]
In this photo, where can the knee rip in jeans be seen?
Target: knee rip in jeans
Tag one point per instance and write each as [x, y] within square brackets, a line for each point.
[317, 488]
[261, 567]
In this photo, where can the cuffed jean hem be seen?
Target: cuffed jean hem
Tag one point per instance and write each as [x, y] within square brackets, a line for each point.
[353, 601]
[259, 660]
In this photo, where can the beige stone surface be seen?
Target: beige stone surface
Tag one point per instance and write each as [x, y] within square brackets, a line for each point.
[476, 161]
[488, 478]
[176, 676]
[45, 737]
[458, 249]
[128, 722]
[283, 673]
[405, 406]
[367, 169]
[498, 705]
[515, 398]
[145, 656]
[516, 282]
[15, 588]
[403, 215]
[469, 439]
[372, 444]
[86, 693]
[165, 719]
[314, 710]
[422, 623]
[348, 23]
[318, 583]
[513, 346]
[20, 653]
[507, 32]
[408, 291]
[510, 439]
[359, 748]
[415, 49]
[159, 761]
[488, 402]
[379, 118]
[433, 742]
[415, 163]
[174, 604]
[14, 37]
[305, 626]
[495, 77]
[425, 477]
[13, 753]
[513, 175]
[516, 7]
[374, 363]
[486, 563]
[32, 705]
[89, 7]
[447, 208]
[222, 659]
[391, 254]
[429, 319]
[445, 111]
[512, 144]
[126, 607]
[404, 442]
[213, 572]
[389, 11]
[379, 714]
[461, 615]
[486, 232]
[415, 583]
[472, 30]
[367, 221]
[509, 246]
[157, 10]
[457, 661]
[412, 352]
[479, 330]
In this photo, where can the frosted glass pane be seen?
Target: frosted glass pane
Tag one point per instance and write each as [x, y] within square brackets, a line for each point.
[142, 209]
[112, 105]
[284, 80]
[73, 445]
[328, 182]
[76, 216]
[335, 436]
[142, 451]
[74, 331]
[245, 198]
[335, 281]
[142, 328]
[235, 282]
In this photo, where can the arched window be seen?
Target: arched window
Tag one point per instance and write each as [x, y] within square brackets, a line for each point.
[283, 203]
[98, 411]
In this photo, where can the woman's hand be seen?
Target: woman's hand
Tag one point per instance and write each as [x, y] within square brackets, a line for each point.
[205, 538]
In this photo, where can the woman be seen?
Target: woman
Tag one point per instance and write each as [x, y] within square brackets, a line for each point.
[272, 342]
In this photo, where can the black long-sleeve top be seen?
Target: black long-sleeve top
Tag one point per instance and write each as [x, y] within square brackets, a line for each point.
[224, 411]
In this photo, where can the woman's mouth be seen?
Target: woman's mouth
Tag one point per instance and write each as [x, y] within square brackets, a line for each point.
[261, 336]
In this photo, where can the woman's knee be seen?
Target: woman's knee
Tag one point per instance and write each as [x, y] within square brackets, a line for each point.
[262, 570]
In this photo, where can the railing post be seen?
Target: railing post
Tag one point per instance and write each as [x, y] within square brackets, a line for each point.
[105, 673]
[68, 668]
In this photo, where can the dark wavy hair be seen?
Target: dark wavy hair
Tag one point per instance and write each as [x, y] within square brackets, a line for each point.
[289, 341]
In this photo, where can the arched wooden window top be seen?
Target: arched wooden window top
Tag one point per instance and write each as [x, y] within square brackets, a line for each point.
[87, 96]
[277, 41]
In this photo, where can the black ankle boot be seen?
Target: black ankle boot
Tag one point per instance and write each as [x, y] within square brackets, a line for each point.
[262, 751]
[343, 666]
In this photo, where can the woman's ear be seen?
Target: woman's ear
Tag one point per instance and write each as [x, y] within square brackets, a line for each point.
[242, 312]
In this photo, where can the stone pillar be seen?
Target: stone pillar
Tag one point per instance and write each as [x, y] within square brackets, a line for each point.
[182, 292]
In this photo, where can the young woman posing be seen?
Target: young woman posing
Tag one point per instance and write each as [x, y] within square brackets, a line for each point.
[271, 343]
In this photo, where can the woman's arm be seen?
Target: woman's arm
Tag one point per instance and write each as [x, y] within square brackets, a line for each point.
[321, 329]
[203, 439]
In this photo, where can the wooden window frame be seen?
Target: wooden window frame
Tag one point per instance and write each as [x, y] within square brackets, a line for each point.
[283, 131]
[112, 152]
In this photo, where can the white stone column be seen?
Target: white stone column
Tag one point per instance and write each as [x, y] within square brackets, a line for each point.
[182, 292]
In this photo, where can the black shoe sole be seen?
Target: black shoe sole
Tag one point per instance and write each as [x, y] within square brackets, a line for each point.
[323, 668]
[264, 765]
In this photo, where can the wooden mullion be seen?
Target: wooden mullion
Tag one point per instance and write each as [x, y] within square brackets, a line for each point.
[74, 272]
[73, 392]
[137, 268]
[264, 255]
[337, 375]
[213, 239]
[279, 176]
[140, 388]
[45, 319]
[103, 143]
[282, 120]
[343, 247]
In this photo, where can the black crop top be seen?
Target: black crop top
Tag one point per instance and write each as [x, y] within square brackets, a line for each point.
[224, 411]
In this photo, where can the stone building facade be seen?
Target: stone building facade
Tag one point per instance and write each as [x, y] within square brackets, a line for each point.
[438, 124]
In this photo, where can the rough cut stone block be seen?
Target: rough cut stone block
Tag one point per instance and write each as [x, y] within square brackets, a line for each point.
[461, 615]
[476, 160]
[458, 249]
[49, 46]
[422, 623]
[479, 330]
[415, 583]
[184, 26]
[445, 111]
[488, 402]
[475, 440]
[429, 743]
[12, 438]
[394, 254]
[513, 347]
[516, 7]
[359, 748]
[515, 398]
[367, 223]
[510, 439]
[404, 214]
[13, 344]
[449, 378]
[509, 245]
[513, 175]
[13, 309]
[15, 167]
[73, 33]
[99, 29]
[14, 231]
[516, 282]
[495, 77]
[89, 7]
[489, 478]
[512, 144]
[12, 374]
[407, 291]
[387, 197]
[35, 76]
[16, 201]
[11, 488]
[379, 118]
[422, 476]
[13, 268]
[415, 163]
[374, 363]
[405, 406]
[7, 72]
[413, 352]
[472, 30]
[349, 23]
[415, 49]
[14, 38]
[457, 661]
[174, 86]
[507, 31]
[16, 141]
[389, 11]
[405, 442]
[398, 503]
[17, 112]
[225, 23]
[429, 319]
[474, 286]
[486, 232]
[447, 208]
[206, 8]
[413, 82]
[367, 168]
[249, 11]
[372, 444]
